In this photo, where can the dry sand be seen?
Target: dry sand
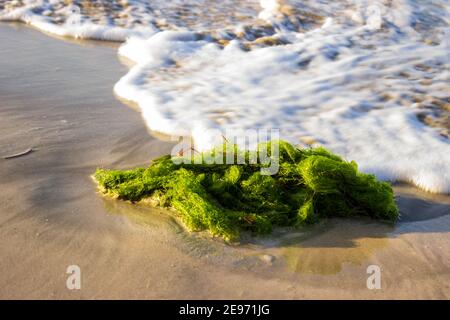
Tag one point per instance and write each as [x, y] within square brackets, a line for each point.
[56, 97]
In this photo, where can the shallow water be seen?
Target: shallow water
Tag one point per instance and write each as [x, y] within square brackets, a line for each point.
[367, 79]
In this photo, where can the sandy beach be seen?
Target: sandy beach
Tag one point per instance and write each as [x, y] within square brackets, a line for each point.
[57, 98]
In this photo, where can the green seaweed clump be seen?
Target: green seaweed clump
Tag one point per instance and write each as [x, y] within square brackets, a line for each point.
[309, 184]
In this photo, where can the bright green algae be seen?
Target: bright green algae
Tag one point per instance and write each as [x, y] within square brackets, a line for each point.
[228, 199]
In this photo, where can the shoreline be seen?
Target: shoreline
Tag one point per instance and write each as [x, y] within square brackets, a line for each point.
[51, 217]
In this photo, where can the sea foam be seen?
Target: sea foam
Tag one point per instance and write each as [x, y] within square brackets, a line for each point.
[355, 76]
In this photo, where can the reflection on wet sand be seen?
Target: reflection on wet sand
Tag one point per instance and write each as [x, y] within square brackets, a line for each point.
[345, 242]
[323, 249]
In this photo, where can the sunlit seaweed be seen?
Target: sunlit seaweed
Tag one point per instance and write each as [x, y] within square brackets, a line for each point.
[227, 199]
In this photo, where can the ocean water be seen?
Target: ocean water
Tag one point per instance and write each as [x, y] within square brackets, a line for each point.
[367, 79]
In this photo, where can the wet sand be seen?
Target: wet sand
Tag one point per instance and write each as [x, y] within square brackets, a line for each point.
[56, 97]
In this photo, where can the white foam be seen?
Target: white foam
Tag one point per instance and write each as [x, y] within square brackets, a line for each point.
[270, 9]
[58, 18]
[351, 84]
[337, 98]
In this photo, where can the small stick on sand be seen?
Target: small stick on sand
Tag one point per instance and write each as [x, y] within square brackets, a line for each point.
[18, 154]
